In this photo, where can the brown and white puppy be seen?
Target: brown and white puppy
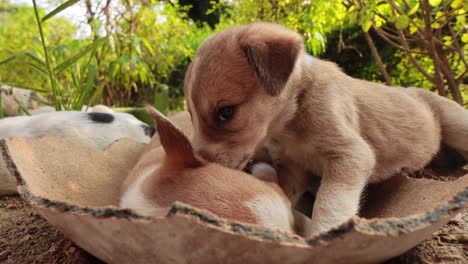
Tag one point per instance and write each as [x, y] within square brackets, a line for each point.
[169, 171]
[255, 84]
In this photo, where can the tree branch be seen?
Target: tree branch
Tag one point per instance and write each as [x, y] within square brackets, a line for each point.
[377, 58]
[413, 59]
[455, 42]
[426, 10]
[382, 34]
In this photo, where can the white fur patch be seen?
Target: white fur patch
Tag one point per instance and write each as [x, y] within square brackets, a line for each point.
[134, 199]
[75, 127]
[272, 211]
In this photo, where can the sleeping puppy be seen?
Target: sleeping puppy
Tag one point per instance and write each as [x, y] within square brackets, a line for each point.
[255, 85]
[95, 129]
[169, 171]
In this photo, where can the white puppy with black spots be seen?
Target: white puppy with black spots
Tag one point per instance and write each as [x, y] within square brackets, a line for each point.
[93, 129]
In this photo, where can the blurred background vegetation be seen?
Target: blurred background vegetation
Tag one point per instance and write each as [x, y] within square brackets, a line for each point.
[126, 53]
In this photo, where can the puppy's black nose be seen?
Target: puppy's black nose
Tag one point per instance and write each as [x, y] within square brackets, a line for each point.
[149, 130]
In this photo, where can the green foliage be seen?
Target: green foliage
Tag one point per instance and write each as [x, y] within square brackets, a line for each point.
[66, 89]
[430, 36]
[313, 19]
[19, 37]
[139, 53]
[140, 58]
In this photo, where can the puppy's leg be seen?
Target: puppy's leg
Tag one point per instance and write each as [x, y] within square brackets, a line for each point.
[343, 180]
[302, 224]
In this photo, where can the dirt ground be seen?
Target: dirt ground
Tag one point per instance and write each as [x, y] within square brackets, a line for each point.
[27, 238]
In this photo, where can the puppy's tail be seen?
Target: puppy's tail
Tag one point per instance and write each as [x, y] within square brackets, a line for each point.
[453, 119]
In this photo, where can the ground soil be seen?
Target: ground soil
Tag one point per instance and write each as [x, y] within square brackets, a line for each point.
[27, 238]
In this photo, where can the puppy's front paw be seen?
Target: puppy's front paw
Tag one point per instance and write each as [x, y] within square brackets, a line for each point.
[265, 172]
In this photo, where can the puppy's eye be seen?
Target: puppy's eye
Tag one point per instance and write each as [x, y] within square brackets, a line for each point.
[226, 113]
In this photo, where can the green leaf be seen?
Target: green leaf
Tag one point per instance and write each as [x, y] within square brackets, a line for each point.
[38, 68]
[414, 9]
[7, 59]
[435, 3]
[41, 101]
[366, 25]
[435, 25]
[35, 58]
[352, 17]
[71, 61]
[84, 94]
[464, 38]
[456, 3]
[97, 94]
[402, 22]
[59, 9]
[148, 46]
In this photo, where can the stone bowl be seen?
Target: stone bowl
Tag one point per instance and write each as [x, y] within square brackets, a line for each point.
[76, 189]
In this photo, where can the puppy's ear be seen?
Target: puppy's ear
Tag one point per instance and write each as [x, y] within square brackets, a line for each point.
[272, 51]
[179, 151]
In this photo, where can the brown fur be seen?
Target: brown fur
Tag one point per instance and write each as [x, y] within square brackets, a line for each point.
[346, 130]
[154, 151]
[182, 176]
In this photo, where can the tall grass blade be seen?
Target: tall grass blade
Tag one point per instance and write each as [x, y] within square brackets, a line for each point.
[55, 92]
[7, 59]
[59, 9]
[22, 107]
[97, 94]
[41, 101]
[39, 69]
[35, 58]
[1, 104]
[70, 61]
[88, 86]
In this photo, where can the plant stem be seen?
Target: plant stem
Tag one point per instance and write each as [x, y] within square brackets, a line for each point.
[1, 105]
[55, 92]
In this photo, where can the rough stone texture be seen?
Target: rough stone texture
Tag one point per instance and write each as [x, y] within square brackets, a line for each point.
[448, 245]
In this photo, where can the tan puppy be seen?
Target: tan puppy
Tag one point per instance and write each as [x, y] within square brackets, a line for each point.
[252, 85]
[172, 172]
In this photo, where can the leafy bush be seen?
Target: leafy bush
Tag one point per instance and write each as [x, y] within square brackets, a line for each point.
[138, 51]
